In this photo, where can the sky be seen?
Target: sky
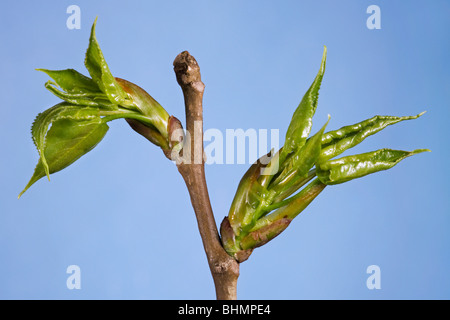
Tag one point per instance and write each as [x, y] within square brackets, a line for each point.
[122, 213]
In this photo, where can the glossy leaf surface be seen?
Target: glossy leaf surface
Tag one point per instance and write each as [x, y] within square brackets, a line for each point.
[72, 134]
[357, 166]
[336, 142]
[101, 75]
[301, 123]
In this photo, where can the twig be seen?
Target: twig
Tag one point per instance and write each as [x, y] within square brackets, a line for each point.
[224, 268]
[190, 164]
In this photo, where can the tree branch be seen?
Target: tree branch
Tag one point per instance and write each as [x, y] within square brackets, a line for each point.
[224, 268]
[190, 164]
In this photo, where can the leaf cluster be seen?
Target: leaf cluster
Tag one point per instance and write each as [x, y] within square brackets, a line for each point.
[70, 129]
[269, 197]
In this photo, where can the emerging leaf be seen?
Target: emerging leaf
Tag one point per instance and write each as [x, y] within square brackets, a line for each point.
[77, 125]
[301, 123]
[72, 81]
[99, 71]
[58, 112]
[356, 166]
[336, 142]
[73, 133]
[265, 205]
[297, 166]
[91, 99]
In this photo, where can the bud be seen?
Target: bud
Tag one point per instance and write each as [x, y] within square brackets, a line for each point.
[263, 235]
[157, 118]
[265, 204]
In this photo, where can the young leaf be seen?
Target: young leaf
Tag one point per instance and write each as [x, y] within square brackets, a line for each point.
[70, 136]
[356, 166]
[72, 81]
[301, 123]
[45, 119]
[336, 142]
[298, 165]
[92, 99]
[99, 71]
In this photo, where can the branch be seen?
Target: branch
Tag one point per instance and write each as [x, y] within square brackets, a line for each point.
[224, 268]
[190, 164]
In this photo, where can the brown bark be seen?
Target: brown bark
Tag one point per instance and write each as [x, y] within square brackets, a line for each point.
[224, 268]
[190, 164]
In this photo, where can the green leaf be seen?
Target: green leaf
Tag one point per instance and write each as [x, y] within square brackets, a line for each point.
[45, 119]
[77, 89]
[298, 165]
[72, 81]
[92, 99]
[99, 71]
[301, 123]
[356, 166]
[336, 142]
[73, 133]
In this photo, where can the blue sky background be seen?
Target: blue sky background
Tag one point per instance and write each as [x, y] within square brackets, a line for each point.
[122, 212]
